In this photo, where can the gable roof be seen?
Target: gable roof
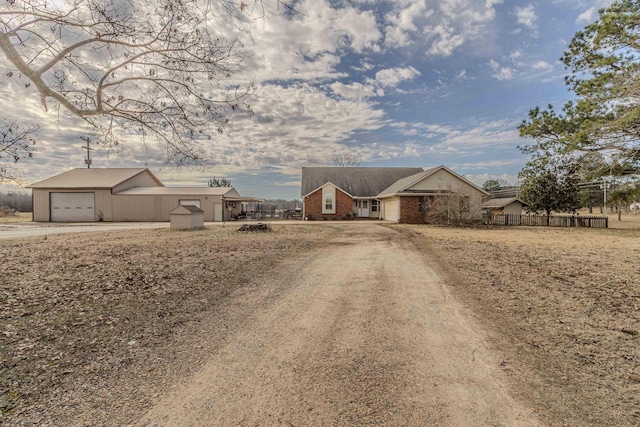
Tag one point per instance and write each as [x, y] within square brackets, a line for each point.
[502, 202]
[186, 210]
[356, 181]
[92, 178]
[402, 184]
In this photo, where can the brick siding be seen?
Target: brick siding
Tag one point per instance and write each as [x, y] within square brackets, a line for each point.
[313, 205]
[410, 211]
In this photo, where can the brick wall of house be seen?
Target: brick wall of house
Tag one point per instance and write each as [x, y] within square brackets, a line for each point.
[410, 211]
[313, 205]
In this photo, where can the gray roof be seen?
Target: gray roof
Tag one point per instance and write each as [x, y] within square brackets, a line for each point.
[91, 178]
[356, 181]
[502, 202]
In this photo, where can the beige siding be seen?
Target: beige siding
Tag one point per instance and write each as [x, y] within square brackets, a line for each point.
[41, 209]
[156, 207]
[514, 208]
[143, 179]
[391, 209]
[443, 181]
[42, 202]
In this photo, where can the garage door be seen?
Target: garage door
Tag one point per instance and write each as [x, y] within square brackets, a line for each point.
[72, 207]
[392, 209]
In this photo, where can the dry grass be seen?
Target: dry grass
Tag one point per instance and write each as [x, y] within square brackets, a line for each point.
[628, 221]
[564, 305]
[89, 320]
[19, 217]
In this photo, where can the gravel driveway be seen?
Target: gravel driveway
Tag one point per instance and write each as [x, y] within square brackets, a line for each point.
[366, 334]
[32, 229]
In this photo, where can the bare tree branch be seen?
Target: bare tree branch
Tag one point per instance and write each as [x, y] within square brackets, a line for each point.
[129, 66]
[16, 144]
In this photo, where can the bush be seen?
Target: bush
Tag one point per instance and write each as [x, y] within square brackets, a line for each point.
[7, 211]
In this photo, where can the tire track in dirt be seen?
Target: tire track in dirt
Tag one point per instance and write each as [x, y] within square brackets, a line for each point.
[367, 336]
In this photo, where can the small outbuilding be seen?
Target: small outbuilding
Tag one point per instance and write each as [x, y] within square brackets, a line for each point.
[504, 206]
[187, 217]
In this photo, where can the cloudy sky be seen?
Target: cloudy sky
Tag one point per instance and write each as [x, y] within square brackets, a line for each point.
[401, 83]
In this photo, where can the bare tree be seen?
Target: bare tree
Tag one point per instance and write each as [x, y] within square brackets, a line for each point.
[147, 68]
[346, 159]
[453, 207]
[16, 144]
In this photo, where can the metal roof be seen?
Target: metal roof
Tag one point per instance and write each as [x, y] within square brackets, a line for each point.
[356, 181]
[179, 191]
[92, 178]
[186, 210]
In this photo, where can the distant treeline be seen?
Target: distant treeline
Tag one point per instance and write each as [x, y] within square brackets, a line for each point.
[19, 200]
[275, 205]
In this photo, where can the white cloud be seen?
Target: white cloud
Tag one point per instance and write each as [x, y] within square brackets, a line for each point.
[463, 138]
[541, 65]
[391, 77]
[355, 90]
[527, 16]
[307, 45]
[588, 16]
[445, 40]
[402, 22]
[441, 27]
[500, 72]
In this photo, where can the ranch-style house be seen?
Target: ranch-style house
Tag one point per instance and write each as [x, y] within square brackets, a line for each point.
[403, 195]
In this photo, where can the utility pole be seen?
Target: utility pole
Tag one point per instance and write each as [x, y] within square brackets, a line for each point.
[87, 161]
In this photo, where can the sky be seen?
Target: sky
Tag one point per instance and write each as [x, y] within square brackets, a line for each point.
[404, 83]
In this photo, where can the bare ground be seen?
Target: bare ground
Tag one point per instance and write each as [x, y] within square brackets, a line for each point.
[367, 335]
[322, 325]
[562, 306]
[93, 326]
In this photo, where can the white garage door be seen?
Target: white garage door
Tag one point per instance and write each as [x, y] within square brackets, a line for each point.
[392, 209]
[72, 207]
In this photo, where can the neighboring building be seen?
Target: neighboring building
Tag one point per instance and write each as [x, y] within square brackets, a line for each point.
[403, 195]
[125, 194]
[505, 205]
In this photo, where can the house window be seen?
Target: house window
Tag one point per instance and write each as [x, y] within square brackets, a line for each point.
[374, 205]
[425, 203]
[464, 204]
[328, 202]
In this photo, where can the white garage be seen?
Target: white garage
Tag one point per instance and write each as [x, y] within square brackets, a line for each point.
[72, 207]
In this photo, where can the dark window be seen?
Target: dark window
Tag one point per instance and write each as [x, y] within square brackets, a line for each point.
[464, 204]
[328, 203]
[425, 203]
[374, 205]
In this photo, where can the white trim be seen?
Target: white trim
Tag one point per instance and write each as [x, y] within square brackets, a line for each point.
[325, 184]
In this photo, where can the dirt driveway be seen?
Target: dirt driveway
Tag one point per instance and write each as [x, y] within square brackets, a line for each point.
[367, 335]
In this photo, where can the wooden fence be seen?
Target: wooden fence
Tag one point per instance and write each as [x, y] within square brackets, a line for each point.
[546, 221]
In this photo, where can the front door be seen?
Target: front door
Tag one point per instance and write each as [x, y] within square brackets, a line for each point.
[362, 206]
